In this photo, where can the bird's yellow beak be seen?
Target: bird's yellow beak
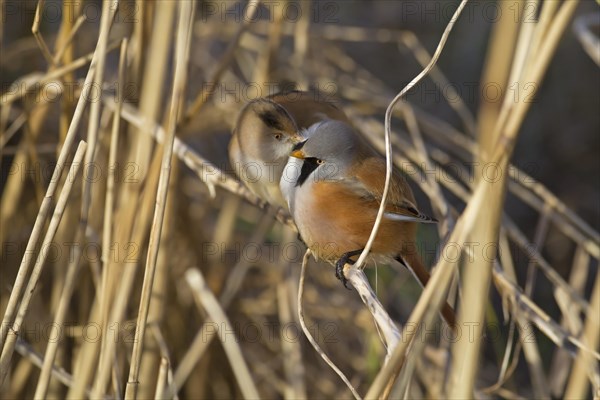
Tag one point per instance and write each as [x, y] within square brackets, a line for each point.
[297, 150]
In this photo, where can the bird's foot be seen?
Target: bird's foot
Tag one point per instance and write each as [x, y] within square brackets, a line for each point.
[339, 266]
[339, 271]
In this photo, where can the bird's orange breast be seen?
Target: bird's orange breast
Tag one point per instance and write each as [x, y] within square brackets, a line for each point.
[335, 220]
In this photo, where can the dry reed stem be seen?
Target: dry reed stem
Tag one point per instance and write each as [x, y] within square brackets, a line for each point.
[268, 54]
[217, 75]
[547, 13]
[37, 80]
[72, 272]
[71, 35]
[186, 17]
[497, 70]
[521, 240]
[309, 335]
[534, 74]
[30, 355]
[477, 273]
[73, 267]
[207, 300]
[388, 117]
[35, 30]
[93, 128]
[434, 191]
[151, 355]
[570, 311]
[132, 231]
[12, 129]
[384, 323]
[453, 99]
[161, 381]
[585, 368]
[45, 207]
[109, 9]
[106, 292]
[301, 33]
[155, 75]
[510, 124]
[138, 41]
[431, 299]
[135, 234]
[207, 171]
[204, 337]
[291, 353]
[64, 55]
[589, 41]
[540, 318]
[61, 204]
[164, 351]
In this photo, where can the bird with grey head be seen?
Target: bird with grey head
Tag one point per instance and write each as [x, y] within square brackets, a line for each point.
[335, 198]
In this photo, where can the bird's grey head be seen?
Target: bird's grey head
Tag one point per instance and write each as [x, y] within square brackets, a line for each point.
[328, 152]
[266, 131]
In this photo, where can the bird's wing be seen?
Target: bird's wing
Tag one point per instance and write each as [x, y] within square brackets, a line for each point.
[368, 179]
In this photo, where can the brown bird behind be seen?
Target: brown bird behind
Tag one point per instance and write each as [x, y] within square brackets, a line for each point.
[265, 132]
[308, 107]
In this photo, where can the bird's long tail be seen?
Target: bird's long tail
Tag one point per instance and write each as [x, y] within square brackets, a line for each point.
[413, 262]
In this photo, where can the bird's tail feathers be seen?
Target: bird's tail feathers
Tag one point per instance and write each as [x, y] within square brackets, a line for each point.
[413, 262]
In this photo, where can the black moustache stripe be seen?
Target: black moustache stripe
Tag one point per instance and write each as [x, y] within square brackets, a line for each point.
[308, 166]
[272, 120]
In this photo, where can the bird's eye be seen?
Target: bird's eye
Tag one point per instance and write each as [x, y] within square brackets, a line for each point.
[277, 136]
[320, 162]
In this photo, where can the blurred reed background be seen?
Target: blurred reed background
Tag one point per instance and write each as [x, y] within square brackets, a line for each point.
[514, 75]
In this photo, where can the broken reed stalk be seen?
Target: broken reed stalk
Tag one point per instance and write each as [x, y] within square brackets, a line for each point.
[186, 17]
